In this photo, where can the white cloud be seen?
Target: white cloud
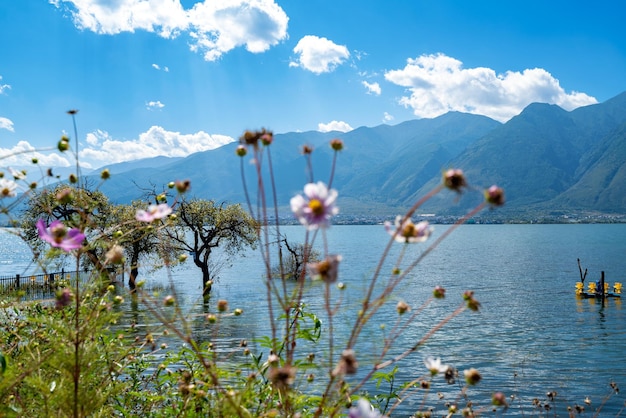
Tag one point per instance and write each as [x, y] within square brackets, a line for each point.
[103, 149]
[22, 154]
[319, 55]
[438, 84]
[158, 67]
[387, 117]
[215, 26]
[4, 87]
[334, 126]
[372, 88]
[219, 26]
[165, 17]
[154, 105]
[6, 124]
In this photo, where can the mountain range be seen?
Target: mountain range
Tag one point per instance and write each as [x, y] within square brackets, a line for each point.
[550, 162]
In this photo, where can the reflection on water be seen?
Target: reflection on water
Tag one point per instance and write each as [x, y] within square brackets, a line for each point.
[532, 334]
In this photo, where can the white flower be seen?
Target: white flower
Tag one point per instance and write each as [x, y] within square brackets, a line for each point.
[7, 188]
[434, 365]
[407, 231]
[17, 175]
[363, 409]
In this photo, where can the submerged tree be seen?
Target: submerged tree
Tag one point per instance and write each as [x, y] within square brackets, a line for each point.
[202, 225]
[75, 207]
[137, 239]
[295, 257]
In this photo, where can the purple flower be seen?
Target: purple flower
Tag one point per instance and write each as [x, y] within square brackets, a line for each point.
[407, 231]
[154, 212]
[315, 209]
[363, 409]
[59, 236]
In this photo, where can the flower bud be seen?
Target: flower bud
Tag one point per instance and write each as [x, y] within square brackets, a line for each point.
[241, 151]
[267, 138]
[115, 255]
[238, 312]
[183, 186]
[222, 305]
[498, 399]
[336, 144]
[63, 144]
[169, 300]
[439, 292]
[73, 178]
[65, 196]
[472, 376]
[454, 179]
[402, 307]
[105, 174]
[494, 196]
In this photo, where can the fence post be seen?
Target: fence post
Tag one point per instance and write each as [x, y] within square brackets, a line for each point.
[17, 281]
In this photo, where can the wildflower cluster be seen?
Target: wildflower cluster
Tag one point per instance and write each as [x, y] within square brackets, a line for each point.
[80, 361]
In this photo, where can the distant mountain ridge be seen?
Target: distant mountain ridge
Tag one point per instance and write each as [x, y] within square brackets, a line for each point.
[547, 159]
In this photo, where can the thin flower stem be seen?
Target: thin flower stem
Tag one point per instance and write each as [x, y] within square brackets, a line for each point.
[77, 339]
[435, 244]
[309, 167]
[332, 170]
[28, 151]
[409, 387]
[245, 188]
[329, 313]
[265, 247]
[366, 302]
[378, 302]
[426, 336]
[73, 114]
[281, 265]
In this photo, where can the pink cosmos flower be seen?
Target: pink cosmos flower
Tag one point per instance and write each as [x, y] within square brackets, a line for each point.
[316, 207]
[59, 236]
[154, 212]
[408, 231]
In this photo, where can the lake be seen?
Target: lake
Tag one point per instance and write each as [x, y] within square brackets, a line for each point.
[532, 334]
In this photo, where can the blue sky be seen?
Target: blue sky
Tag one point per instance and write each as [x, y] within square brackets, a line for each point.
[172, 77]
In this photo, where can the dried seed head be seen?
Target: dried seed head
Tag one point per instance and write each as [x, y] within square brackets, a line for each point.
[494, 196]
[454, 179]
[222, 305]
[472, 376]
[336, 144]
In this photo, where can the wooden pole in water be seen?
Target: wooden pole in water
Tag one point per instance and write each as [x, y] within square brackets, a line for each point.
[602, 283]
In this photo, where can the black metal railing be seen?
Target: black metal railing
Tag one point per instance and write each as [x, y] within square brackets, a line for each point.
[43, 285]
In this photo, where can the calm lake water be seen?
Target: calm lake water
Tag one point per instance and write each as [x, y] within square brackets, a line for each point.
[532, 334]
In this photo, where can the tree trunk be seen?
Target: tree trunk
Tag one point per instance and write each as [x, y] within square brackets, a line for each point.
[206, 280]
[134, 272]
